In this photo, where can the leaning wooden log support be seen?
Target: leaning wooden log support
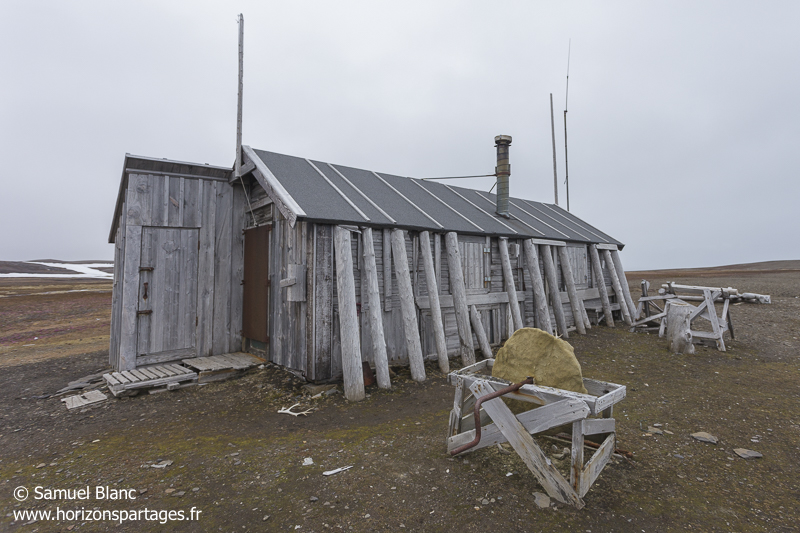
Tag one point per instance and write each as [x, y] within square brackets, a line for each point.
[459, 292]
[600, 282]
[433, 293]
[539, 297]
[508, 280]
[348, 317]
[555, 295]
[477, 325]
[407, 306]
[558, 408]
[624, 281]
[374, 307]
[615, 282]
[575, 302]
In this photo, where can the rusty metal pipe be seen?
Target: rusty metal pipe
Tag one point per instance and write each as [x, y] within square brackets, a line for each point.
[477, 411]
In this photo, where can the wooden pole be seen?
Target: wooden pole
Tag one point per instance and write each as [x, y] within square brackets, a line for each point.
[615, 282]
[387, 270]
[569, 281]
[407, 307]
[623, 280]
[553, 131]
[348, 317]
[597, 269]
[477, 325]
[433, 295]
[555, 296]
[238, 164]
[375, 318]
[459, 292]
[539, 297]
[508, 278]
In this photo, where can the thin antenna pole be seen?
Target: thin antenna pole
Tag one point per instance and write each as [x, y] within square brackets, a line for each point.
[553, 131]
[566, 101]
[239, 101]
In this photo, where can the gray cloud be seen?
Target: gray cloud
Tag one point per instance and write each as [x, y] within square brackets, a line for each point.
[683, 116]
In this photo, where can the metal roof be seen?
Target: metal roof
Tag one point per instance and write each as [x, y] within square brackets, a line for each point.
[337, 194]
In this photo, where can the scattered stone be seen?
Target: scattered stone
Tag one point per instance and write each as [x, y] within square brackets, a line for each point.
[542, 501]
[162, 464]
[366, 515]
[313, 499]
[654, 430]
[484, 502]
[668, 432]
[266, 517]
[41, 465]
[308, 461]
[170, 491]
[678, 456]
[196, 489]
[702, 436]
[657, 425]
[234, 454]
[744, 453]
[142, 491]
[179, 494]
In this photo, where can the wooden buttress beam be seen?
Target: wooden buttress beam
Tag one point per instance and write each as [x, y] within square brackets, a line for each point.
[539, 296]
[569, 281]
[555, 297]
[348, 317]
[375, 318]
[623, 280]
[459, 292]
[433, 294]
[477, 325]
[508, 279]
[407, 307]
[600, 282]
[615, 282]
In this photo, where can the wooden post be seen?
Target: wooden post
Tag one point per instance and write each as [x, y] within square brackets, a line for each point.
[433, 295]
[615, 282]
[576, 453]
[597, 269]
[387, 270]
[624, 281]
[555, 297]
[459, 292]
[508, 278]
[477, 325]
[569, 280]
[407, 307]
[348, 317]
[375, 318]
[539, 297]
[678, 325]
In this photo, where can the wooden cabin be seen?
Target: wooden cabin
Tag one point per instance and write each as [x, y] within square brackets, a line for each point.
[318, 267]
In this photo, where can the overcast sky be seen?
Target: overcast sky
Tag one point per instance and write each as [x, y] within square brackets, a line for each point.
[683, 118]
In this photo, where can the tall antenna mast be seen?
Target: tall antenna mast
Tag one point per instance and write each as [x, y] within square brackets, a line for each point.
[238, 165]
[566, 100]
[553, 131]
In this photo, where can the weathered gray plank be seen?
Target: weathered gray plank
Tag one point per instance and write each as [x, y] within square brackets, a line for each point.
[237, 267]
[374, 307]
[222, 270]
[130, 299]
[407, 308]
[597, 463]
[533, 457]
[459, 292]
[433, 294]
[348, 319]
[387, 270]
[508, 279]
[555, 297]
[600, 284]
[569, 281]
[323, 298]
[539, 297]
[205, 280]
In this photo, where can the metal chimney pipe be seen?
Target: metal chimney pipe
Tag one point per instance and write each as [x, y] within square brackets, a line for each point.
[503, 173]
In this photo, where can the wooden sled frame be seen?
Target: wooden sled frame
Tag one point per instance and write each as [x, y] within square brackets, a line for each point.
[559, 407]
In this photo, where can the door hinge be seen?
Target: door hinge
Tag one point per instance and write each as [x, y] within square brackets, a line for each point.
[148, 312]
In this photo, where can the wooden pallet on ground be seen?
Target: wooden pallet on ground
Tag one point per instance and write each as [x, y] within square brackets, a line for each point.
[131, 381]
[219, 367]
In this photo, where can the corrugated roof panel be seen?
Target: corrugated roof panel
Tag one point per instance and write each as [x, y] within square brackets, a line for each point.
[450, 195]
[314, 195]
[603, 237]
[556, 221]
[355, 195]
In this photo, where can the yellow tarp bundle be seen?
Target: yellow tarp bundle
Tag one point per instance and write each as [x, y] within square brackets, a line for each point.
[533, 352]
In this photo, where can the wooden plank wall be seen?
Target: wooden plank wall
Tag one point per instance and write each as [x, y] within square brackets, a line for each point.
[215, 208]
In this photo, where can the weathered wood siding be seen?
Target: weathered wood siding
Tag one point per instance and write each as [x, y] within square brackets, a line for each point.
[188, 231]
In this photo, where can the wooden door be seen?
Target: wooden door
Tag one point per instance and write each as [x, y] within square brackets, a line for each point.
[167, 310]
[255, 306]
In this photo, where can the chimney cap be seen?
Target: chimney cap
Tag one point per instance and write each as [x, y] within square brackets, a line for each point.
[503, 139]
